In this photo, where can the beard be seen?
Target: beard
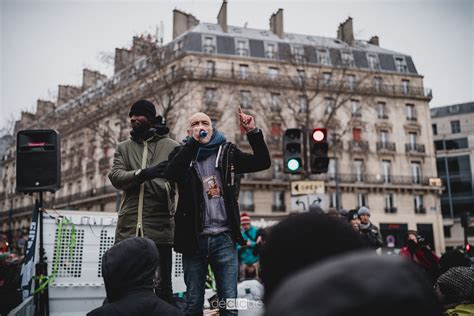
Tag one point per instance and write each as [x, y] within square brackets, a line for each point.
[141, 129]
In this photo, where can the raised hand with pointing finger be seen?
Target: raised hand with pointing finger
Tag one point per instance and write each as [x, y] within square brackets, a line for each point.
[247, 122]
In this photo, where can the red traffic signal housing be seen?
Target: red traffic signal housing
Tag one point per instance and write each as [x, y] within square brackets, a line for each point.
[319, 147]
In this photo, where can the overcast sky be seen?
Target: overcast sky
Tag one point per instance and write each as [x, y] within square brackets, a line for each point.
[47, 43]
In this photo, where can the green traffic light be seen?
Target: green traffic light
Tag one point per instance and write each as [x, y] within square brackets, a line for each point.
[293, 164]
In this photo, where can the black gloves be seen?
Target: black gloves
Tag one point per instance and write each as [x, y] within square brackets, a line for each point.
[157, 171]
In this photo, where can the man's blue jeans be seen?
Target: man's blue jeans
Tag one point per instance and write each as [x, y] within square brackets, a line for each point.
[220, 252]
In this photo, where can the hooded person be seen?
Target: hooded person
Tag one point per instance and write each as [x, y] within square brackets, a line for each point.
[356, 283]
[148, 200]
[301, 240]
[128, 269]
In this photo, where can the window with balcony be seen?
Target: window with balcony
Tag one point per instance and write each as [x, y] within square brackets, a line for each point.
[242, 47]
[347, 59]
[386, 171]
[410, 111]
[455, 127]
[377, 84]
[303, 104]
[384, 137]
[277, 169]
[243, 71]
[401, 64]
[327, 76]
[419, 205]
[275, 105]
[434, 127]
[246, 201]
[273, 73]
[405, 86]
[211, 68]
[416, 172]
[389, 203]
[373, 61]
[382, 110]
[271, 50]
[356, 109]
[245, 99]
[333, 200]
[278, 201]
[210, 96]
[332, 169]
[350, 82]
[359, 170]
[330, 105]
[356, 134]
[301, 75]
[412, 137]
[361, 199]
[323, 57]
[209, 44]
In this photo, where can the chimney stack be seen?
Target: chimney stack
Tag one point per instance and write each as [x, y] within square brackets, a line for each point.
[222, 16]
[345, 31]
[276, 23]
[66, 93]
[44, 107]
[182, 22]
[374, 40]
[123, 58]
[90, 78]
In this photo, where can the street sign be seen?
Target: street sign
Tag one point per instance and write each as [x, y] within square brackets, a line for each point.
[302, 203]
[307, 187]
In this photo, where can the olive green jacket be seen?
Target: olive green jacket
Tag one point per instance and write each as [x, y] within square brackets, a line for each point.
[157, 219]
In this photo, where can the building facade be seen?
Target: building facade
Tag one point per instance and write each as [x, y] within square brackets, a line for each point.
[453, 133]
[371, 99]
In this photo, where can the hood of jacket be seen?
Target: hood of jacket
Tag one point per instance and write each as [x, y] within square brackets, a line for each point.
[129, 266]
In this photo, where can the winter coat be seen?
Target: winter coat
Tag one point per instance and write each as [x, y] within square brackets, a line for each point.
[248, 255]
[372, 236]
[425, 258]
[128, 269]
[159, 194]
[190, 210]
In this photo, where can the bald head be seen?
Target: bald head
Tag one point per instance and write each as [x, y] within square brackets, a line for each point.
[198, 117]
[200, 122]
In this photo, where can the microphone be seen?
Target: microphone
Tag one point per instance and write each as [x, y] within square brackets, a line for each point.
[202, 133]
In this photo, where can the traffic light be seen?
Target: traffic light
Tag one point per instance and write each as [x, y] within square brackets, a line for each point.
[468, 250]
[293, 151]
[465, 219]
[319, 160]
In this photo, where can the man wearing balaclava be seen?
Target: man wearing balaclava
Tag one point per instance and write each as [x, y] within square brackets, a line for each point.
[207, 217]
[148, 200]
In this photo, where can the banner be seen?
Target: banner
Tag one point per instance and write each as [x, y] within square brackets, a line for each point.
[28, 263]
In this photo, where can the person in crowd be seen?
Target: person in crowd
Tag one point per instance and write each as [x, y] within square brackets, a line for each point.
[418, 250]
[301, 240]
[453, 258]
[250, 288]
[356, 283]
[248, 253]
[148, 200]
[128, 269]
[353, 219]
[208, 222]
[333, 212]
[455, 289]
[368, 230]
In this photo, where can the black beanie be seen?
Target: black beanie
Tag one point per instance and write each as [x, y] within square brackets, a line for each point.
[145, 108]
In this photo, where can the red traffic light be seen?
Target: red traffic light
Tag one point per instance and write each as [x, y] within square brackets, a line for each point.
[319, 135]
[468, 248]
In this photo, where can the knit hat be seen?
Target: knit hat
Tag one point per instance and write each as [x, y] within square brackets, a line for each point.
[145, 108]
[363, 210]
[352, 214]
[457, 284]
[244, 218]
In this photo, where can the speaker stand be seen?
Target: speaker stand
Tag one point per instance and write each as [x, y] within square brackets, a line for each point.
[41, 298]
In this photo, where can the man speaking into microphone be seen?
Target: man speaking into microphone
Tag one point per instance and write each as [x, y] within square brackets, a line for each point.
[207, 219]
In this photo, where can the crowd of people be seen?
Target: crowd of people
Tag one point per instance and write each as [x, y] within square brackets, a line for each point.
[313, 263]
